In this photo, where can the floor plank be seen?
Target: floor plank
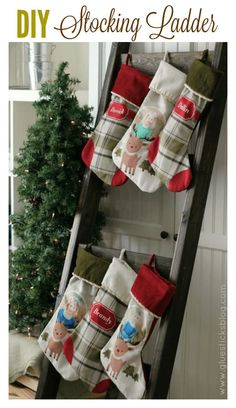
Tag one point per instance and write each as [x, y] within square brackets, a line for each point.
[29, 382]
[23, 388]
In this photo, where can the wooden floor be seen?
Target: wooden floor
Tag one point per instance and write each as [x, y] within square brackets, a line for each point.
[23, 388]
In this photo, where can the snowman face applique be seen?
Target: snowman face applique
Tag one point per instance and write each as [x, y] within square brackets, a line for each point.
[149, 124]
[132, 330]
[72, 311]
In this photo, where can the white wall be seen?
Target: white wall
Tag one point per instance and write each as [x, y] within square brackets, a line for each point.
[197, 372]
[76, 54]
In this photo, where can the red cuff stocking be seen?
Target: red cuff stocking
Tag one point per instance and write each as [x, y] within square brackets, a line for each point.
[129, 90]
[121, 357]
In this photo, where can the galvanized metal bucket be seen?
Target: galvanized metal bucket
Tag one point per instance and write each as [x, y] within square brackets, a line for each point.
[40, 52]
[40, 65]
[39, 72]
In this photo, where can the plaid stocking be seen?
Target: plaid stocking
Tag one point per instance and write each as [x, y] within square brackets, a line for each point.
[171, 162]
[129, 90]
[98, 325]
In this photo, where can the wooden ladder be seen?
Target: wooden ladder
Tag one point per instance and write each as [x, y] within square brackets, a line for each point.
[179, 269]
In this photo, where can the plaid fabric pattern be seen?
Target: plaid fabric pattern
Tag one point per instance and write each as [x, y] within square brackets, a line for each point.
[107, 134]
[77, 289]
[90, 338]
[172, 155]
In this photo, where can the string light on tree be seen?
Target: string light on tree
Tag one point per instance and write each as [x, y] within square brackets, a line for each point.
[48, 167]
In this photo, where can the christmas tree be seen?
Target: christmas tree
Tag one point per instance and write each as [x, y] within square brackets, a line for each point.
[50, 170]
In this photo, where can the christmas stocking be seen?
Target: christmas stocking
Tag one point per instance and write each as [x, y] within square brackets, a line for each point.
[129, 90]
[133, 152]
[121, 356]
[171, 162]
[80, 293]
[99, 324]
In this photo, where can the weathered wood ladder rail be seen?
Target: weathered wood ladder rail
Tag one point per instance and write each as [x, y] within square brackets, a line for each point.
[179, 269]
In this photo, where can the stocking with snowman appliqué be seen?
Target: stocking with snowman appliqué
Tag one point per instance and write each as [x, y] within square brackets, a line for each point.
[133, 153]
[121, 356]
[76, 301]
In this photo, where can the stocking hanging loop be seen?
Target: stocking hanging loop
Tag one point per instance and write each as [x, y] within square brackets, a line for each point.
[151, 260]
[122, 253]
[128, 60]
[166, 57]
[205, 56]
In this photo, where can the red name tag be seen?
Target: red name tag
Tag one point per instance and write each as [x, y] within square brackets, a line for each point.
[186, 109]
[117, 111]
[102, 316]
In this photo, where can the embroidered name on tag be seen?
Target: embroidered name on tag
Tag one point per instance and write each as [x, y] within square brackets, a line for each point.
[102, 316]
[117, 111]
[186, 109]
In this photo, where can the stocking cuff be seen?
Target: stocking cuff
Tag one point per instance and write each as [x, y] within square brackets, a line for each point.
[90, 267]
[152, 290]
[119, 279]
[131, 84]
[202, 79]
[168, 81]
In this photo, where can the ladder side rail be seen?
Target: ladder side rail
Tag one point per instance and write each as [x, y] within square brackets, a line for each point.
[188, 237]
[83, 223]
[91, 187]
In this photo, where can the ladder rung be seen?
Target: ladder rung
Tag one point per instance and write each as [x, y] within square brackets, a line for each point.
[134, 259]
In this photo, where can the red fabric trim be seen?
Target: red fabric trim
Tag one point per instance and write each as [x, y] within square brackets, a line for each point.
[103, 386]
[151, 259]
[119, 178]
[152, 290]
[180, 181]
[131, 114]
[132, 84]
[153, 149]
[197, 115]
[68, 349]
[87, 152]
